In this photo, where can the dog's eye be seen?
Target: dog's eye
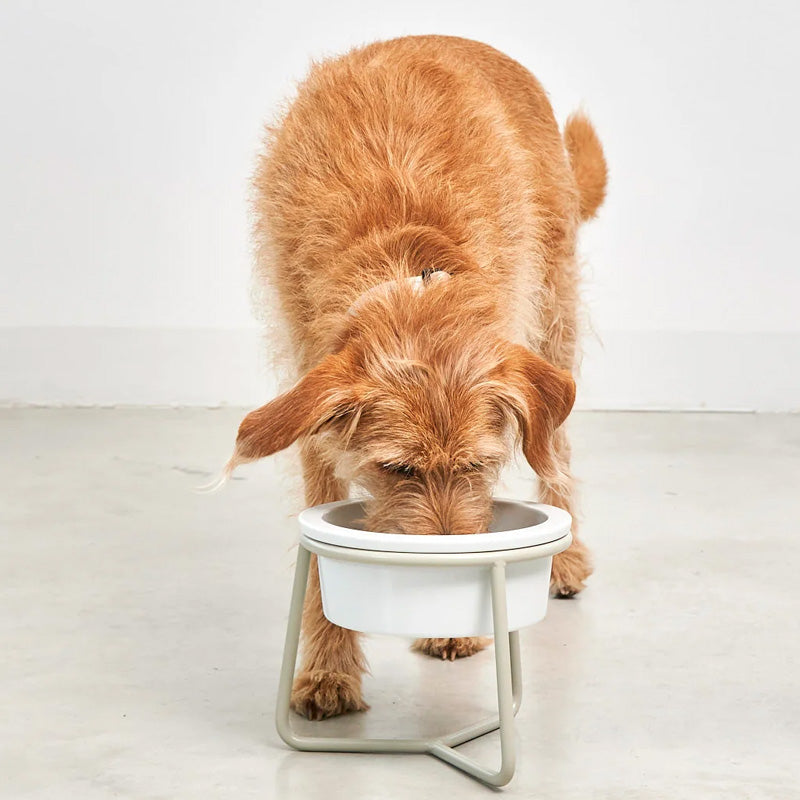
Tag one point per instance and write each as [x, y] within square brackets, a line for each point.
[473, 466]
[399, 469]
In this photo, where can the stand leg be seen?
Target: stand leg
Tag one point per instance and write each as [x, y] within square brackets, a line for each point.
[509, 693]
[507, 664]
[283, 711]
[290, 646]
[516, 670]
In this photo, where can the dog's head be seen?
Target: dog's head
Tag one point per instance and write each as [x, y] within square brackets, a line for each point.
[420, 405]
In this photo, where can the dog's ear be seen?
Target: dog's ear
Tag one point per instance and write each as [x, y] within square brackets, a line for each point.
[541, 397]
[325, 393]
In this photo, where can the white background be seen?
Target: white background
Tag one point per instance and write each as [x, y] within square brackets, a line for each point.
[129, 131]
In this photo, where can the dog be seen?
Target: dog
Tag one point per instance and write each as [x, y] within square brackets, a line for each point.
[416, 212]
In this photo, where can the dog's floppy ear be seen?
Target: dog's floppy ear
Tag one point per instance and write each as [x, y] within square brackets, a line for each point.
[324, 393]
[541, 397]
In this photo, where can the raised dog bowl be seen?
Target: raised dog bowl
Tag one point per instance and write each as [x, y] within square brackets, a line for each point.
[433, 586]
[437, 586]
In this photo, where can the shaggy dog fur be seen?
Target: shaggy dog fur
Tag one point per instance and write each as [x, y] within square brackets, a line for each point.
[421, 154]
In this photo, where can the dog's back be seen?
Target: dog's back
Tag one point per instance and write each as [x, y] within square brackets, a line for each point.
[433, 145]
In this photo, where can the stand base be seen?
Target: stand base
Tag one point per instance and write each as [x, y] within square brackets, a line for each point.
[509, 693]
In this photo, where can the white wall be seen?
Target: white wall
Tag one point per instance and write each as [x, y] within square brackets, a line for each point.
[129, 130]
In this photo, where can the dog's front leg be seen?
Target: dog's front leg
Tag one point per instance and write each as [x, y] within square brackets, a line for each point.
[573, 566]
[329, 682]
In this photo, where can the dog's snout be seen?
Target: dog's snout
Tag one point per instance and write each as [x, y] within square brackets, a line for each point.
[443, 527]
[452, 507]
[461, 520]
[433, 504]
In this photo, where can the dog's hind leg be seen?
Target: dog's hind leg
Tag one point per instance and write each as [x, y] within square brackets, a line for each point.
[451, 649]
[329, 681]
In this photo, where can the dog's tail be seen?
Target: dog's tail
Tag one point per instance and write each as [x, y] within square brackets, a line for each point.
[587, 161]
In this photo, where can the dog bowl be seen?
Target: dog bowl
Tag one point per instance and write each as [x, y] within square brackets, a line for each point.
[433, 586]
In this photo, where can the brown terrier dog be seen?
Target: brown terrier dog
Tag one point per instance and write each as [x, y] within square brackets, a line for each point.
[436, 157]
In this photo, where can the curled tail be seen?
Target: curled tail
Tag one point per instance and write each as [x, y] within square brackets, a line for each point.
[587, 161]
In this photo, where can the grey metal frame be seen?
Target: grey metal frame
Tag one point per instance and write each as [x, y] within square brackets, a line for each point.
[507, 660]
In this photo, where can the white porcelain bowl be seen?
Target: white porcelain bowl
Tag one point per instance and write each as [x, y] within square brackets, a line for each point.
[362, 592]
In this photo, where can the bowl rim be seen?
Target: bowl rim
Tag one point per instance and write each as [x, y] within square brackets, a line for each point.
[557, 525]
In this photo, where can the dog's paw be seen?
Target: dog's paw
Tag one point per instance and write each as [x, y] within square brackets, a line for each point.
[451, 649]
[320, 694]
[570, 570]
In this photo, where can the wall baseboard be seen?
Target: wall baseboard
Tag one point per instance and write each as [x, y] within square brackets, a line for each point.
[633, 370]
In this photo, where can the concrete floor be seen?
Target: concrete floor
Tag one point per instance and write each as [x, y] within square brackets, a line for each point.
[142, 624]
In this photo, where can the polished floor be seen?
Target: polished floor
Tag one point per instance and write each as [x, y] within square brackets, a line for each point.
[141, 623]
